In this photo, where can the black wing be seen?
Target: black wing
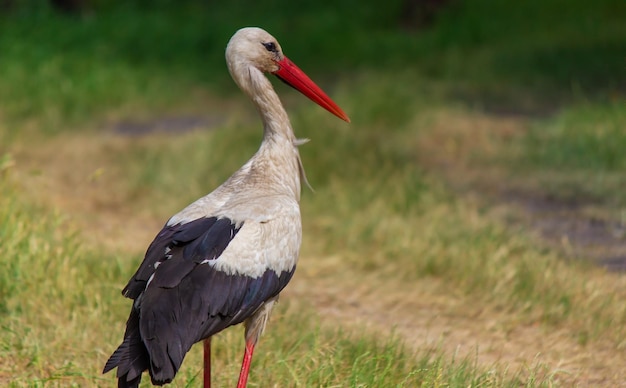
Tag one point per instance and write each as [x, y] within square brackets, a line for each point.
[204, 303]
[217, 235]
[186, 300]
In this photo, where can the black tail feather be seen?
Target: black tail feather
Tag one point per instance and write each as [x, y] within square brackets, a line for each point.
[131, 357]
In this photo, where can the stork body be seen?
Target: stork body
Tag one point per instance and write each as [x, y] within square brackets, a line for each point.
[225, 258]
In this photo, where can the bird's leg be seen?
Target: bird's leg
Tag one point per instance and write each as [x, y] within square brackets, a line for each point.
[254, 328]
[207, 363]
[245, 365]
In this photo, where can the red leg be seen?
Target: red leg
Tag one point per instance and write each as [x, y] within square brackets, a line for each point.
[207, 363]
[245, 365]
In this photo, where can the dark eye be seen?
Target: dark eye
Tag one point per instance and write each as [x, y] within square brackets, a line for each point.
[270, 46]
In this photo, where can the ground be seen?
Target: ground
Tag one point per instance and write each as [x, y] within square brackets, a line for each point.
[425, 314]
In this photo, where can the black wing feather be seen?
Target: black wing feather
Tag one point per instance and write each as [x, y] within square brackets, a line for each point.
[185, 299]
[131, 357]
[209, 246]
[214, 300]
[194, 229]
[154, 254]
[172, 236]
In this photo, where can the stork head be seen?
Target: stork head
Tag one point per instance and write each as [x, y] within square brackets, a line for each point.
[253, 47]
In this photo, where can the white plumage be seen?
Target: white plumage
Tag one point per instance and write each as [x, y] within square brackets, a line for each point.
[224, 259]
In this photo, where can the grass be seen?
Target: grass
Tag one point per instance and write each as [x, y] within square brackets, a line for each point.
[577, 155]
[385, 226]
[59, 71]
[56, 317]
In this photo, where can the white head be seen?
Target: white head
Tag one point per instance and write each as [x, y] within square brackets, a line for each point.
[252, 51]
[252, 46]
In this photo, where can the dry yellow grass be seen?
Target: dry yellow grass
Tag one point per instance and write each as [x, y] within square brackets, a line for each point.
[79, 174]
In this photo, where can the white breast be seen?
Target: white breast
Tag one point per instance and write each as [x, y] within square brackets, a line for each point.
[269, 240]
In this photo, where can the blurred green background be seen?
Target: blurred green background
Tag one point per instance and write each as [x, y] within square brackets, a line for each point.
[530, 57]
[485, 157]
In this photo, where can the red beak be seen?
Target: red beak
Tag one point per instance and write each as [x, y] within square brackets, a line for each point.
[293, 76]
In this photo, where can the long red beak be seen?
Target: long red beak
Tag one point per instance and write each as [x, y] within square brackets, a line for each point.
[293, 76]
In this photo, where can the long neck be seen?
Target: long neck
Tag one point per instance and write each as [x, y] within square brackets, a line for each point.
[256, 85]
[278, 158]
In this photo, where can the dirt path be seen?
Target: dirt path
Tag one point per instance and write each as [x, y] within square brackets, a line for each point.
[426, 315]
[579, 229]
[576, 225]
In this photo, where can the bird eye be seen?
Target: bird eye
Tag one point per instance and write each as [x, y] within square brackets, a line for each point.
[270, 46]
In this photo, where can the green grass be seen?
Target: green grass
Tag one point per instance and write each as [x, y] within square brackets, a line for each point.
[400, 224]
[589, 137]
[61, 72]
[576, 154]
[60, 301]
[389, 218]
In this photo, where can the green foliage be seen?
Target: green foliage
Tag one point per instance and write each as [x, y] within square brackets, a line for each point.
[52, 294]
[373, 205]
[576, 156]
[63, 70]
[60, 303]
[589, 138]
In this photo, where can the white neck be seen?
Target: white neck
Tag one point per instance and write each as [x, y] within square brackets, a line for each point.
[256, 85]
[278, 148]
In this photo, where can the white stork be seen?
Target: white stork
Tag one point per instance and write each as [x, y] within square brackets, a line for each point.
[225, 258]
